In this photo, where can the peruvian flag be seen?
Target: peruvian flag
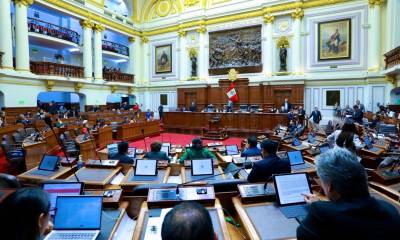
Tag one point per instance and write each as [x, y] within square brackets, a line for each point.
[232, 95]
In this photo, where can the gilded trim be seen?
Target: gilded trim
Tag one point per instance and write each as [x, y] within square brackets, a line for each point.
[25, 3]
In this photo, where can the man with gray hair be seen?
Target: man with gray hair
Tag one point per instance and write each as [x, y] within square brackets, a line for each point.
[350, 213]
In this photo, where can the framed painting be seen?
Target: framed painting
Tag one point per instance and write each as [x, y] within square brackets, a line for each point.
[163, 58]
[334, 40]
[332, 98]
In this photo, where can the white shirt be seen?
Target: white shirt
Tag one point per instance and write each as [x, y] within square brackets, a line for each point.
[335, 134]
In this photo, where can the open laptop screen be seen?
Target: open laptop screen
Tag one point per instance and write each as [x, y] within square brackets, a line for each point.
[112, 149]
[49, 163]
[295, 157]
[202, 167]
[232, 150]
[61, 189]
[131, 152]
[145, 167]
[165, 149]
[290, 187]
[78, 213]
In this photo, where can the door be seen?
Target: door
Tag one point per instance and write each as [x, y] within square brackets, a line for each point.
[189, 98]
[279, 97]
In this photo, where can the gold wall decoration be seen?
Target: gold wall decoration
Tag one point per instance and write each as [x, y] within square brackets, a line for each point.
[283, 42]
[113, 88]
[23, 2]
[131, 39]
[372, 3]
[202, 29]
[191, 3]
[144, 39]
[130, 90]
[181, 33]
[268, 18]
[78, 86]
[233, 74]
[50, 84]
[192, 52]
[98, 28]
[86, 23]
[298, 13]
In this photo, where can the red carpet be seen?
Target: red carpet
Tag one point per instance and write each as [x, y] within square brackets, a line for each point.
[173, 138]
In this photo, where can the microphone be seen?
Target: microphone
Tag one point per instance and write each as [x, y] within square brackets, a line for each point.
[248, 165]
[144, 139]
[49, 123]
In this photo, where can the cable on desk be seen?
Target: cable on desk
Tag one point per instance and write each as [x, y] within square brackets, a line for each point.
[234, 223]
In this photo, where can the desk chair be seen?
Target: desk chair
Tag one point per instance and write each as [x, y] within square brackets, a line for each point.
[9, 181]
[15, 155]
[69, 145]
[17, 137]
[22, 132]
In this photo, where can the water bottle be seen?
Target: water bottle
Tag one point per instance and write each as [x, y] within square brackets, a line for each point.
[80, 163]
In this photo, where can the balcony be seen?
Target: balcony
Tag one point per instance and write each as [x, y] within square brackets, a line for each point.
[115, 48]
[392, 58]
[51, 30]
[117, 76]
[56, 69]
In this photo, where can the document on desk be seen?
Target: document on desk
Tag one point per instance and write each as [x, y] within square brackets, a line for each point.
[291, 188]
[154, 224]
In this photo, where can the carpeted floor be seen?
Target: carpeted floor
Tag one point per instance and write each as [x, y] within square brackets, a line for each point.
[173, 138]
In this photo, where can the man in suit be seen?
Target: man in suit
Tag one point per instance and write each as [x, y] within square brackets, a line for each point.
[302, 114]
[252, 150]
[351, 212]
[286, 106]
[122, 154]
[161, 112]
[316, 116]
[156, 152]
[358, 115]
[193, 107]
[271, 163]
[360, 106]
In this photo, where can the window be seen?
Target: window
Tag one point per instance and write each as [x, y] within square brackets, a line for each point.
[163, 99]
[332, 97]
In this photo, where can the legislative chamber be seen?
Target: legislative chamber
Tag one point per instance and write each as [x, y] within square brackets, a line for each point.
[199, 120]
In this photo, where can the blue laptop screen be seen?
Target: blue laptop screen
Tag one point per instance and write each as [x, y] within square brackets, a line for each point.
[295, 157]
[232, 150]
[78, 213]
[49, 163]
[112, 149]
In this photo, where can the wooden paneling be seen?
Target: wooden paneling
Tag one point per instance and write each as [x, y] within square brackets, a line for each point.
[133, 131]
[265, 96]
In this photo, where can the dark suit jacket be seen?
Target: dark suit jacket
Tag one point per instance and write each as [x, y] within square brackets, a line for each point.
[358, 116]
[364, 218]
[288, 108]
[263, 170]
[316, 116]
[251, 152]
[157, 155]
[122, 158]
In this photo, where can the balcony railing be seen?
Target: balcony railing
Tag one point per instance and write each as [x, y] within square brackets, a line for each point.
[48, 29]
[56, 69]
[115, 47]
[392, 58]
[115, 76]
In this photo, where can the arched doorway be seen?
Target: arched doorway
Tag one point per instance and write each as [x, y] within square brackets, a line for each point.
[68, 100]
[115, 100]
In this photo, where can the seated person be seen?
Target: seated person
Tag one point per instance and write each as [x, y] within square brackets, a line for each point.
[197, 151]
[156, 152]
[252, 150]
[122, 154]
[351, 212]
[25, 215]
[348, 126]
[271, 163]
[188, 220]
[59, 123]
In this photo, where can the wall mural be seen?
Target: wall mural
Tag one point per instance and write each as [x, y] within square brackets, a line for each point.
[334, 40]
[235, 48]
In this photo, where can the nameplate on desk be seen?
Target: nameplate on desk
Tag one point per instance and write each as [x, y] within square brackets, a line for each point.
[162, 197]
[256, 191]
[102, 163]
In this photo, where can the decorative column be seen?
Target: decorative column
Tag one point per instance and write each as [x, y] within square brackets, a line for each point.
[138, 61]
[21, 35]
[268, 42]
[98, 52]
[183, 56]
[6, 38]
[393, 31]
[374, 37]
[131, 68]
[202, 53]
[297, 16]
[87, 48]
[146, 55]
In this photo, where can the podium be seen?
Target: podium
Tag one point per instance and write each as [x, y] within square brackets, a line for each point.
[214, 131]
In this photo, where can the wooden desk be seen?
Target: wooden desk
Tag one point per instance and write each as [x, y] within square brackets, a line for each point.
[216, 213]
[110, 221]
[95, 177]
[31, 177]
[103, 137]
[290, 147]
[265, 221]
[391, 190]
[34, 152]
[128, 183]
[133, 131]
[51, 141]
[244, 123]
[86, 148]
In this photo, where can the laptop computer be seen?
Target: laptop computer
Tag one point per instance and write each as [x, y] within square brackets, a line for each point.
[296, 160]
[232, 150]
[289, 192]
[201, 168]
[61, 189]
[132, 152]
[47, 166]
[296, 142]
[145, 170]
[369, 145]
[165, 149]
[112, 149]
[77, 217]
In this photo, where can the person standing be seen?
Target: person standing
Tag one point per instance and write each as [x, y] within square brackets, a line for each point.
[286, 106]
[360, 106]
[229, 106]
[316, 116]
[193, 107]
[358, 115]
[161, 112]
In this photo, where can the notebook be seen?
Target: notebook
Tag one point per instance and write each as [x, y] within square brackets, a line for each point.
[289, 191]
[77, 217]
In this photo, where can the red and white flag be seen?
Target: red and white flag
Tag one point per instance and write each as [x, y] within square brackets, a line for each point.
[232, 95]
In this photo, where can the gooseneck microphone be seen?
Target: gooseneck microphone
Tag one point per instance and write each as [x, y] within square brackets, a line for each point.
[211, 176]
[49, 123]
[144, 139]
